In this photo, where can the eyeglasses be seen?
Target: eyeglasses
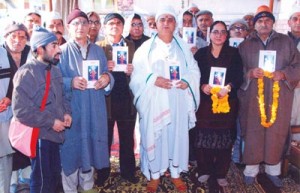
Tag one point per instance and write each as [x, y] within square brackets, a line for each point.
[222, 32]
[77, 23]
[166, 19]
[237, 28]
[97, 22]
[137, 25]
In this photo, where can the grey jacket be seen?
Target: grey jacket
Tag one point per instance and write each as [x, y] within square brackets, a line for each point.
[29, 88]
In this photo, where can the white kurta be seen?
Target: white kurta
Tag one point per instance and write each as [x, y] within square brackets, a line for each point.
[165, 115]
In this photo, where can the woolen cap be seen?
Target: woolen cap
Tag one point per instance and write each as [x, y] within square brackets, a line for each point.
[263, 11]
[203, 12]
[76, 13]
[111, 16]
[14, 26]
[41, 37]
[241, 21]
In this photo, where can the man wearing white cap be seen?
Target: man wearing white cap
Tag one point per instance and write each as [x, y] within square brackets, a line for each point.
[55, 24]
[193, 8]
[294, 34]
[166, 108]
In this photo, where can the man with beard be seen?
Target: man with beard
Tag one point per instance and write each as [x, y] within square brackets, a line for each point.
[56, 25]
[30, 83]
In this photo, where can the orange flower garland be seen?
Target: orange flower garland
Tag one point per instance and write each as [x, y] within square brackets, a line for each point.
[219, 105]
[261, 101]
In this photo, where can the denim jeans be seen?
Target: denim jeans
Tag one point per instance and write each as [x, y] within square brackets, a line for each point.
[46, 168]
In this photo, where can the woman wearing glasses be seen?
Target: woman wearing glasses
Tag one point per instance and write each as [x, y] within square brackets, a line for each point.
[216, 130]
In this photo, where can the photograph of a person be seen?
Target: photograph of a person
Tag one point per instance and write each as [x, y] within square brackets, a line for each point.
[93, 73]
[189, 35]
[267, 60]
[218, 78]
[122, 57]
[174, 73]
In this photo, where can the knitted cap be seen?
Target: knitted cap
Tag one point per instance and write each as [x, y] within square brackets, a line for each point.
[111, 16]
[263, 11]
[41, 37]
[14, 26]
[76, 13]
[241, 21]
[203, 12]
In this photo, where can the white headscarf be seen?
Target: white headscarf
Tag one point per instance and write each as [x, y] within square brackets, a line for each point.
[128, 24]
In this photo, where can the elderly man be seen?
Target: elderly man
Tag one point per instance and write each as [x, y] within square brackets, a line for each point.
[95, 26]
[265, 119]
[13, 54]
[85, 146]
[204, 20]
[55, 24]
[166, 108]
[238, 29]
[119, 103]
[31, 81]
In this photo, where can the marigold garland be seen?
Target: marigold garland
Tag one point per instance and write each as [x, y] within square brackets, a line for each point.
[219, 105]
[261, 101]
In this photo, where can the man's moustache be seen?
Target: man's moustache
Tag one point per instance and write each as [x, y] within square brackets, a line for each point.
[58, 32]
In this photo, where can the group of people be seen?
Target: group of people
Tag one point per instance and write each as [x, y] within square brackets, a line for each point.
[190, 121]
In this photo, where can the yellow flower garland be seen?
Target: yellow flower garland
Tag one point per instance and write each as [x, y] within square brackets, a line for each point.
[219, 105]
[261, 101]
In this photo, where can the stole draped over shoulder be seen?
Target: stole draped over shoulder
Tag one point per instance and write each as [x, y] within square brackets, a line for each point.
[165, 115]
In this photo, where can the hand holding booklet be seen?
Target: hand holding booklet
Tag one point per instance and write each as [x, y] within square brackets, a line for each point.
[217, 76]
[120, 57]
[91, 72]
[267, 60]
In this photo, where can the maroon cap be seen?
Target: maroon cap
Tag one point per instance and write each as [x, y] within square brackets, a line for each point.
[76, 13]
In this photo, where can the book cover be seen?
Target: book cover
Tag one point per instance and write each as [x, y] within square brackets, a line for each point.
[120, 57]
[189, 35]
[91, 72]
[217, 76]
[267, 60]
